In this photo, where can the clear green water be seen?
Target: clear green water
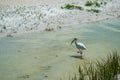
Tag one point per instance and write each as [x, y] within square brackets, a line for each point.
[50, 53]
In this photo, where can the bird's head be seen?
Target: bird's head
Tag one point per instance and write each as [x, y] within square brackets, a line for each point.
[75, 39]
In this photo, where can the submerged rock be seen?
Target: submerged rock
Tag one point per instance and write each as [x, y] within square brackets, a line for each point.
[45, 76]
[9, 35]
[25, 76]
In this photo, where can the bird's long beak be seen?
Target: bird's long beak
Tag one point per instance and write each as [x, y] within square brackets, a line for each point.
[72, 42]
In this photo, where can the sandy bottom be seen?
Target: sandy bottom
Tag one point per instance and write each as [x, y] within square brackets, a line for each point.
[50, 56]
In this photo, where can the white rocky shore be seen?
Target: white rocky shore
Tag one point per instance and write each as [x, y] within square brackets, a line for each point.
[15, 19]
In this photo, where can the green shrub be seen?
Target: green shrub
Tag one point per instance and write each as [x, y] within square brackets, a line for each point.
[78, 7]
[105, 3]
[89, 3]
[97, 4]
[70, 6]
[93, 10]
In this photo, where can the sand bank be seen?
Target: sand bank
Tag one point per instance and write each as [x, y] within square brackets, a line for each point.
[27, 17]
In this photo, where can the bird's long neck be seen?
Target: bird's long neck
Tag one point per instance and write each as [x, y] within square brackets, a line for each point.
[75, 42]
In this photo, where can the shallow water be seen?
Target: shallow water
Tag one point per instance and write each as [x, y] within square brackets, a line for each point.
[50, 56]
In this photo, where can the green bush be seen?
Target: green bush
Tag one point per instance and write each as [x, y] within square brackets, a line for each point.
[70, 6]
[78, 7]
[105, 3]
[97, 4]
[89, 3]
[93, 10]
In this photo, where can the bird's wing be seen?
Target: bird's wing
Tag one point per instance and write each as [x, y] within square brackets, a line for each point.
[82, 45]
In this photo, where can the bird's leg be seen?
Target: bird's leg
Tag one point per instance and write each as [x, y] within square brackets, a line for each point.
[81, 52]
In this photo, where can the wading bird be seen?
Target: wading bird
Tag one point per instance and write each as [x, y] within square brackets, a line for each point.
[80, 46]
